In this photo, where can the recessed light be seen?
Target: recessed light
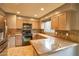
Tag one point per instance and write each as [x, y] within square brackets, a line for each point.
[18, 12]
[35, 15]
[19, 17]
[67, 34]
[57, 12]
[31, 19]
[42, 9]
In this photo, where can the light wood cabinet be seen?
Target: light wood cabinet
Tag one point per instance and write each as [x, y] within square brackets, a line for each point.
[62, 21]
[35, 25]
[67, 19]
[19, 23]
[59, 21]
[55, 22]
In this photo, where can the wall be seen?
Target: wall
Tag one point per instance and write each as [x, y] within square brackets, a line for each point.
[11, 24]
[11, 21]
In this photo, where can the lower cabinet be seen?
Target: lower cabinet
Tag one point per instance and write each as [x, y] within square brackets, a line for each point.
[18, 40]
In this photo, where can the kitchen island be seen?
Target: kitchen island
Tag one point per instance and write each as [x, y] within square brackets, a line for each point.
[52, 45]
[44, 45]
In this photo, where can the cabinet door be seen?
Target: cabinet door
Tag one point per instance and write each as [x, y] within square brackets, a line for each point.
[62, 21]
[35, 25]
[19, 23]
[55, 22]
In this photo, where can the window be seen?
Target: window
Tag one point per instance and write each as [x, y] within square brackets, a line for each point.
[46, 25]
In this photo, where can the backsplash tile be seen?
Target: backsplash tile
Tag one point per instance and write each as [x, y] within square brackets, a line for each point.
[72, 35]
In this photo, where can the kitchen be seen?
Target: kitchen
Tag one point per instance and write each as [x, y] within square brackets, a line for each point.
[39, 29]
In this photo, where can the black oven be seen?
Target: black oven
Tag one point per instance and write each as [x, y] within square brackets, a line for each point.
[27, 34]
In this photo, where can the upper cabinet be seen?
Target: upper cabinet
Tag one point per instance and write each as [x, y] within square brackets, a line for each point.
[19, 24]
[59, 21]
[62, 21]
[55, 22]
[68, 20]
[35, 24]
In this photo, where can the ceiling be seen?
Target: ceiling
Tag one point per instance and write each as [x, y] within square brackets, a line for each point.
[30, 9]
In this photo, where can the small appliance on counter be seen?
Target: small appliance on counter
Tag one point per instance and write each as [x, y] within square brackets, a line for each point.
[27, 34]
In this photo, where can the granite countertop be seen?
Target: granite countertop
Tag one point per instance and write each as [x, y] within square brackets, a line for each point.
[50, 44]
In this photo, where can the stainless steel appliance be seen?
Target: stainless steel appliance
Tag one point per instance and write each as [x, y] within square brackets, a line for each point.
[27, 33]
